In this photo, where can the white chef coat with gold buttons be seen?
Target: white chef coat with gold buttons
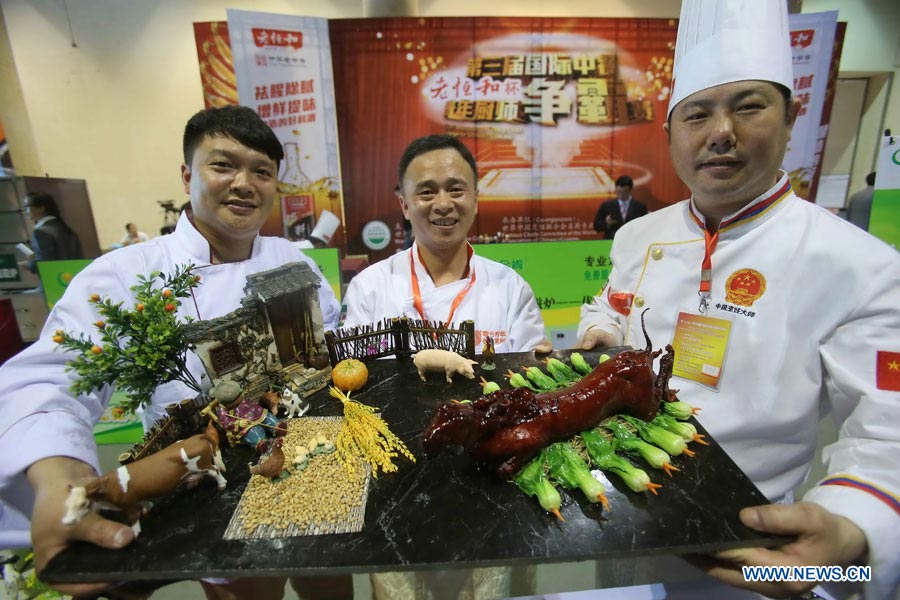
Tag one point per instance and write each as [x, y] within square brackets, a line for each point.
[812, 301]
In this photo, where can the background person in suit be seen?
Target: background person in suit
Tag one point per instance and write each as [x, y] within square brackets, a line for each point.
[612, 214]
[52, 239]
[859, 208]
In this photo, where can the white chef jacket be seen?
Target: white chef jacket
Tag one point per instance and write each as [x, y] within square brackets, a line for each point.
[39, 417]
[830, 302]
[500, 302]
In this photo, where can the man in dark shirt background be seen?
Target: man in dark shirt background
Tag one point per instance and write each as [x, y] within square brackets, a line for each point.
[52, 238]
[618, 211]
[859, 208]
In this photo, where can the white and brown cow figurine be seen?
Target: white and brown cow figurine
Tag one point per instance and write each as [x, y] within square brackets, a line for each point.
[131, 487]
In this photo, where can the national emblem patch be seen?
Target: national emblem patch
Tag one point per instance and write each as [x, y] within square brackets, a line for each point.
[744, 287]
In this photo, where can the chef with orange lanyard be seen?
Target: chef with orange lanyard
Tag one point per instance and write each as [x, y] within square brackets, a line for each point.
[440, 278]
[778, 310]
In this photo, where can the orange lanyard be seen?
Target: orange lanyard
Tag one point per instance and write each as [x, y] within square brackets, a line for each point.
[417, 294]
[749, 213]
[706, 270]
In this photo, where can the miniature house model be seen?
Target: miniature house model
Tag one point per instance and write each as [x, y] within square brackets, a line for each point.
[275, 338]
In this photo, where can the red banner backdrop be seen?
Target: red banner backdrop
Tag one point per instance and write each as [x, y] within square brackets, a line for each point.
[554, 110]
[216, 64]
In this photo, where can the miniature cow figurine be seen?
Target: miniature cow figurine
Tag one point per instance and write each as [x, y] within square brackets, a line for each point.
[294, 404]
[130, 487]
[443, 360]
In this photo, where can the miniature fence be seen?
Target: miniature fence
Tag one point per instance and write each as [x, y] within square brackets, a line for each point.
[184, 420]
[399, 337]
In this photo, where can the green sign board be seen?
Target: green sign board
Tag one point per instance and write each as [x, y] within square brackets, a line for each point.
[56, 275]
[9, 268]
[329, 262]
[884, 222]
[562, 275]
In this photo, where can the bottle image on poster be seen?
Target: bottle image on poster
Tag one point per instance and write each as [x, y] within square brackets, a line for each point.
[297, 201]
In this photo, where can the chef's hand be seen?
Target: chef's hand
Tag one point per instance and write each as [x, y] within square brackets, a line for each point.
[823, 538]
[51, 478]
[545, 346]
[596, 338]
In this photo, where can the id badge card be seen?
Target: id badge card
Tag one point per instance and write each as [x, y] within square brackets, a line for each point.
[700, 344]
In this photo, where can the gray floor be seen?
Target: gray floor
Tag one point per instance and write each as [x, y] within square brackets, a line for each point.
[551, 579]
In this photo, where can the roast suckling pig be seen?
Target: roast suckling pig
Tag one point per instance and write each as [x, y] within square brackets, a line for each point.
[508, 427]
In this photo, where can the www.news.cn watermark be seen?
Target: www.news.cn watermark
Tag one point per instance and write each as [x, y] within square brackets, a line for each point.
[832, 573]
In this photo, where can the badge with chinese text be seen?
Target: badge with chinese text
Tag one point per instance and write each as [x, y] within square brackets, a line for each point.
[700, 344]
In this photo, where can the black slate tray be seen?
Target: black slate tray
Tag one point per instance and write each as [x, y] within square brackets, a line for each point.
[438, 513]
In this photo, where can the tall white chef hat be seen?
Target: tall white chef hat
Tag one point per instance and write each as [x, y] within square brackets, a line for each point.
[722, 41]
[325, 228]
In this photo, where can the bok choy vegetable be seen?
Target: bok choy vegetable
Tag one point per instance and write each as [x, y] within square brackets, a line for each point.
[533, 481]
[672, 443]
[571, 471]
[629, 442]
[603, 455]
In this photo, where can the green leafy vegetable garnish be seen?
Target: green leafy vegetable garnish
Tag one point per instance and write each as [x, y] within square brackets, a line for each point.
[571, 471]
[672, 443]
[603, 455]
[629, 442]
[533, 481]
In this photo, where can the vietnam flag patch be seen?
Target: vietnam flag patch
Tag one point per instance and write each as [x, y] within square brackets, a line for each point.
[887, 371]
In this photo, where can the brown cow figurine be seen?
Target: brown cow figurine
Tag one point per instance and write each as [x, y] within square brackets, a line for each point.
[131, 487]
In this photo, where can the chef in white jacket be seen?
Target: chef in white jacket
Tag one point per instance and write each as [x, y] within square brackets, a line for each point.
[778, 310]
[440, 278]
[46, 437]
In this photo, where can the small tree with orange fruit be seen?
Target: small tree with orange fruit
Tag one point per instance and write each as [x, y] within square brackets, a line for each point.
[139, 348]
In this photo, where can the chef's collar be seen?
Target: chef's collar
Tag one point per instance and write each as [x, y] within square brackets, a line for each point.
[762, 205]
[414, 249]
[197, 245]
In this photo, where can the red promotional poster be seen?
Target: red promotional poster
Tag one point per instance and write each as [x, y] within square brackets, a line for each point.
[554, 110]
[264, 37]
[216, 66]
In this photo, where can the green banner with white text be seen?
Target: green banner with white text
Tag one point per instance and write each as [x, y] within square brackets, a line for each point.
[563, 276]
[884, 222]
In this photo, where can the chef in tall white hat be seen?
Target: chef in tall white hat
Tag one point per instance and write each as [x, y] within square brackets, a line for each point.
[809, 304]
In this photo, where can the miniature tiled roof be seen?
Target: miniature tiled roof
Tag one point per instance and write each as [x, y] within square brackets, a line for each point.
[198, 331]
[282, 280]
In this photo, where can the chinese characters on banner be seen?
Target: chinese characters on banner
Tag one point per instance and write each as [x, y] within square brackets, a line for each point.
[812, 40]
[554, 110]
[283, 70]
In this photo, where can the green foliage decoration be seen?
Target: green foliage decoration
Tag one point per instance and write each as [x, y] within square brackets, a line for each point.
[141, 347]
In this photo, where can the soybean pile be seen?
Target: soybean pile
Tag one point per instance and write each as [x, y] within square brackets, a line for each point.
[321, 496]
